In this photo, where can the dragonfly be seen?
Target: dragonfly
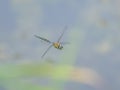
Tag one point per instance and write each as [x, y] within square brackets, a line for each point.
[58, 44]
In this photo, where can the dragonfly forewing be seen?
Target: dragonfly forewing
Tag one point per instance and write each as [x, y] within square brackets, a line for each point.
[46, 51]
[65, 28]
[44, 39]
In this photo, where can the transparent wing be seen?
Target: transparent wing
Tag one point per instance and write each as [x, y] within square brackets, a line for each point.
[65, 28]
[64, 43]
[46, 40]
[46, 51]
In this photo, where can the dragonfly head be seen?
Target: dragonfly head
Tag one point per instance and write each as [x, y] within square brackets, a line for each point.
[58, 45]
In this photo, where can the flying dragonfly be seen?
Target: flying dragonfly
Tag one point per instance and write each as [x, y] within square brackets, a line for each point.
[57, 44]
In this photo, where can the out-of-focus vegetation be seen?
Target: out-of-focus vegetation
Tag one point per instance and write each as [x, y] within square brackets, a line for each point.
[17, 77]
[11, 76]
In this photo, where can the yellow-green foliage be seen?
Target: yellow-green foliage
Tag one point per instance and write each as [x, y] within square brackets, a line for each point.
[11, 75]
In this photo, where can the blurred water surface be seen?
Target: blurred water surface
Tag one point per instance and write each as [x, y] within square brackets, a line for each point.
[90, 62]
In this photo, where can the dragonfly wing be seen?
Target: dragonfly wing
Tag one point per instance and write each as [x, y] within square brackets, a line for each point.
[65, 28]
[64, 43]
[46, 40]
[46, 51]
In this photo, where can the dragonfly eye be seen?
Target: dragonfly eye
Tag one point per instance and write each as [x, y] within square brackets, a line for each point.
[60, 47]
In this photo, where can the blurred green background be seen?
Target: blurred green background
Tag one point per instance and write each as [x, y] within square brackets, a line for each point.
[90, 62]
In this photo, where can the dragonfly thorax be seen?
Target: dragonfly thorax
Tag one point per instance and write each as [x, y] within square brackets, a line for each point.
[57, 45]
